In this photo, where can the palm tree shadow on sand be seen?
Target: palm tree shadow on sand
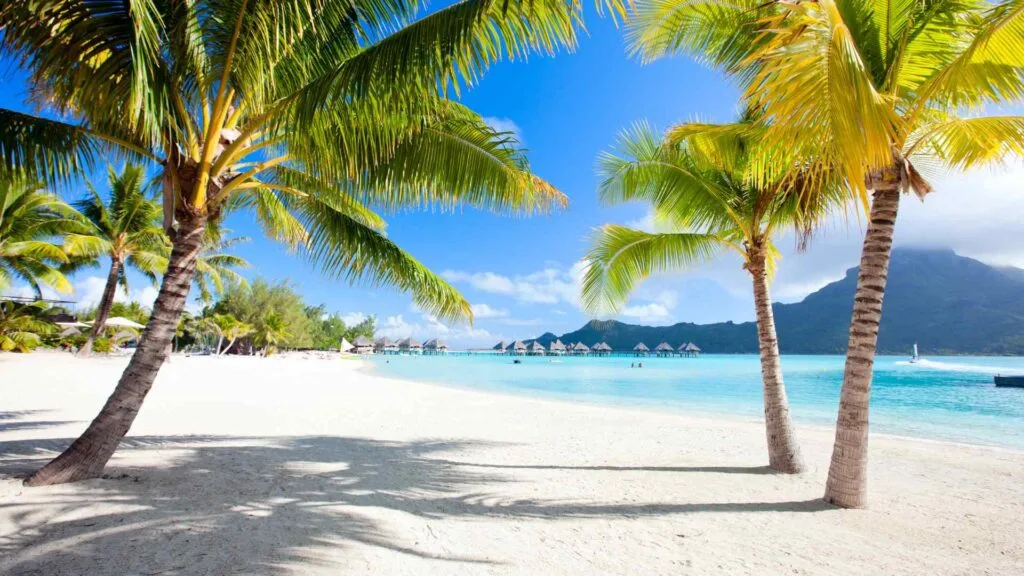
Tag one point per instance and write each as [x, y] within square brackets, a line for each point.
[264, 503]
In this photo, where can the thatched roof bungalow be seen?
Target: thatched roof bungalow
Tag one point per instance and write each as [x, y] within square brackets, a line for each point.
[537, 349]
[557, 348]
[500, 347]
[362, 345]
[435, 346]
[602, 348]
[517, 347]
[641, 349]
[690, 349]
[664, 349]
[410, 345]
[580, 348]
[385, 345]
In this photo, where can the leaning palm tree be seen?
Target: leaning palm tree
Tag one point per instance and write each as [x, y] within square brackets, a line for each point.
[702, 184]
[124, 228]
[30, 222]
[231, 329]
[885, 91]
[307, 113]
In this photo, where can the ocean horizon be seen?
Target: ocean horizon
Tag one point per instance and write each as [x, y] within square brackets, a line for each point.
[946, 398]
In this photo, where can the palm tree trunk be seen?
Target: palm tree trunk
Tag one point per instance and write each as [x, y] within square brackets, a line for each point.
[87, 455]
[228, 347]
[848, 474]
[106, 302]
[783, 450]
[220, 341]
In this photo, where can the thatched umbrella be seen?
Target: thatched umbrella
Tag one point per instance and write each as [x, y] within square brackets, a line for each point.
[121, 322]
[557, 347]
[641, 349]
[664, 349]
[537, 348]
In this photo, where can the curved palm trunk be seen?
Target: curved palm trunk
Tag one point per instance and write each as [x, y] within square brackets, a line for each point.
[87, 455]
[848, 474]
[106, 302]
[783, 450]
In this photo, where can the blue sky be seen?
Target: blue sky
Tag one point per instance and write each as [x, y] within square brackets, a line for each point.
[521, 274]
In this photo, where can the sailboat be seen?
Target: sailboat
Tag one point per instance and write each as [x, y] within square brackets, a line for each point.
[915, 358]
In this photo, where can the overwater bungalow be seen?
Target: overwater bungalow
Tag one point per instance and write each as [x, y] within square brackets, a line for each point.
[580, 348]
[362, 345]
[385, 345]
[601, 349]
[536, 349]
[500, 347]
[556, 348]
[641, 349]
[435, 346]
[664, 349]
[691, 350]
[517, 348]
[410, 346]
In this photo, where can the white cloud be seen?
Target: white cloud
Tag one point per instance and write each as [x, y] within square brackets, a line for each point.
[484, 311]
[550, 285]
[89, 291]
[505, 125]
[353, 318]
[647, 313]
[522, 321]
[428, 326]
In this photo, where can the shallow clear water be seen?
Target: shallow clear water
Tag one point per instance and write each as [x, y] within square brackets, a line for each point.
[949, 398]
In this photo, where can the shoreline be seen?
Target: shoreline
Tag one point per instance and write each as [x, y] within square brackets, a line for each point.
[293, 467]
[367, 368]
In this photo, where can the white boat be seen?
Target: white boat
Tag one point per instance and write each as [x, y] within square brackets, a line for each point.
[915, 358]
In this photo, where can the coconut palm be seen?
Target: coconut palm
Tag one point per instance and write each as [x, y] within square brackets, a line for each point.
[270, 332]
[30, 222]
[306, 113]
[124, 228]
[701, 184]
[885, 90]
[21, 326]
[215, 267]
[232, 329]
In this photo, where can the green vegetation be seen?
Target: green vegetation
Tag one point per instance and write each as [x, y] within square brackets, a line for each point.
[701, 184]
[21, 327]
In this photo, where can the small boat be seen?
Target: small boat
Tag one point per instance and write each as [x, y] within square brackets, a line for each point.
[915, 358]
[1010, 381]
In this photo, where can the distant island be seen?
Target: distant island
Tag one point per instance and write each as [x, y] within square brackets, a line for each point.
[947, 304]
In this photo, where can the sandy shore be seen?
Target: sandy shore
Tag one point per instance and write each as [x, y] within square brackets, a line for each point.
[291, 466]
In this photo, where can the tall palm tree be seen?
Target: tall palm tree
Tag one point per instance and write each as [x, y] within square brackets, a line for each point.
[30, 222]
[884, 90]
[308, 113]
[701, 183]
[124, 228]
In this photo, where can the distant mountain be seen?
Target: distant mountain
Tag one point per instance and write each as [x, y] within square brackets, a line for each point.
[945, 303]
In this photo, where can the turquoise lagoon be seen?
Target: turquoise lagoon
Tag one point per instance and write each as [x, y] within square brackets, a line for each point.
[942, 398]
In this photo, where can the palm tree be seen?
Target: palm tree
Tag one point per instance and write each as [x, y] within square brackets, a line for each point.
[270, 332]
[307, 113]
[21, 326]
[702, 184]
[215, 267]
[125, 228]
[232, 329]
[30, 220]
[884, 91]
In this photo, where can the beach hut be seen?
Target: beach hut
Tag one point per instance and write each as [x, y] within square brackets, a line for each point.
[435, 346]
[411, 346]
[692, 350]
[641, 349]
[580, 348]
[601, 349]
[664, 349]
[501, 347]
[363, 345]
[385, 346]
[557, 348]
[517, 348]
[536, 349]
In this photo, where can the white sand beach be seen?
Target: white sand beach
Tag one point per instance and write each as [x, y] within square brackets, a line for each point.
[293, 466]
